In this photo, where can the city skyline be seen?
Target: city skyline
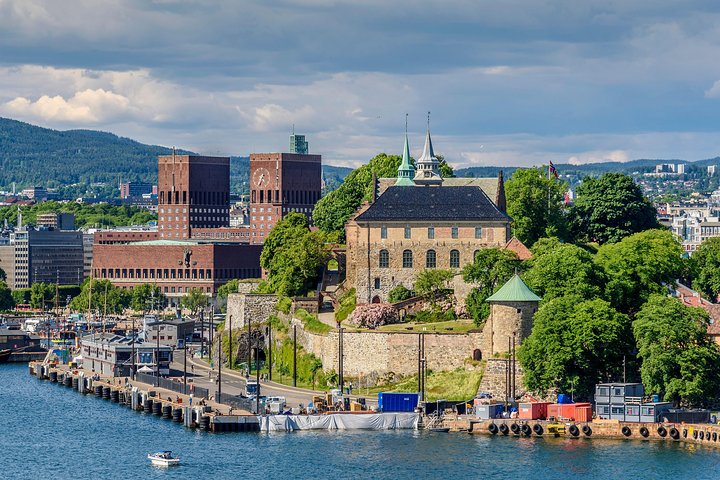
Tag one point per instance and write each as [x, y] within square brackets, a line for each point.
[511, 84]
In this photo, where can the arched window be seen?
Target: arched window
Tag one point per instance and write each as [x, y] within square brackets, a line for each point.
[430, 259]
[407, 259]
[384, 259]
[475, 254]
[454, 259]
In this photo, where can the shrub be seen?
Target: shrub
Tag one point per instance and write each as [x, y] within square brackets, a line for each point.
[373, 315]
[284, 304]
[310, 322]
[347, 306]
[399, 293]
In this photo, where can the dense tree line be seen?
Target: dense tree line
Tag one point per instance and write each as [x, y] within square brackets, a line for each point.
[86, 215]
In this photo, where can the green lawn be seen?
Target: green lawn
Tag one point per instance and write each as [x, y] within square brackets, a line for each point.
[453, 326]
[457, 385]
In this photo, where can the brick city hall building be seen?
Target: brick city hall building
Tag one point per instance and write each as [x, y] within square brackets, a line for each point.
[194, 245]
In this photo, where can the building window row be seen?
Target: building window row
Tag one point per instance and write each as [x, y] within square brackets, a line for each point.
[407, 232]
[430, 259]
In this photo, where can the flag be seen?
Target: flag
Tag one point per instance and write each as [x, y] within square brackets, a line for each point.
[553, 170]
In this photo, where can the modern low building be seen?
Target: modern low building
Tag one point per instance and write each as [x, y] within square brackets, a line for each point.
[626, 402]
[45, 255]
[111, 354]
[17, 339]
[173, 332]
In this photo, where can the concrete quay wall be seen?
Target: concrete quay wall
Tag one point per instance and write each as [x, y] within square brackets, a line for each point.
[698, 434]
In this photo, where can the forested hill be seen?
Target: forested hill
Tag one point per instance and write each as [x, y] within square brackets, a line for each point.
[31, 155]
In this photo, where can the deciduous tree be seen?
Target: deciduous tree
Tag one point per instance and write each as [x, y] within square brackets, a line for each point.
[194, 300]
[609, 208]
[574, 344]
[491, 268]
[638, 266]
[679, 360]
[293, 256]
[7, 302]
[705, 265]
[564, 270]
[535, 204]
[143, 296]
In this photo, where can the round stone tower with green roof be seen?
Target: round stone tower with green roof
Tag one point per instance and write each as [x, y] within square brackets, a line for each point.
[511, 314]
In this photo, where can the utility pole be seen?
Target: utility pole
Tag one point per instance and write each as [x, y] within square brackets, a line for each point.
[341, 380]
[294, 355]
[185, 366]
[249, 347]
[157, 353]
[230, 347]
[132, 373]
[202, 332]
[219, 375]
[269, 332]
[257, 376]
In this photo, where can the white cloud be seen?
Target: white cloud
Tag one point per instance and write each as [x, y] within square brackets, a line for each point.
[598, 157]
[85, 107]
[714, 91]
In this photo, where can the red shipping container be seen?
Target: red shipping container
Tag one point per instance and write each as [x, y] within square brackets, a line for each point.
[533, 410]
[583, 414]
[553, 410]
[568, 410]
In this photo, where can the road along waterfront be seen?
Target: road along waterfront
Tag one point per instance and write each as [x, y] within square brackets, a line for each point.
[53, 432]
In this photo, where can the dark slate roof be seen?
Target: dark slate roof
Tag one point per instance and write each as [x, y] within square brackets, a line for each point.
[434, 204]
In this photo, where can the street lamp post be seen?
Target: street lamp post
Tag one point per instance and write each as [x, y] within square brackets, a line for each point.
[157, 353]
[230, 347]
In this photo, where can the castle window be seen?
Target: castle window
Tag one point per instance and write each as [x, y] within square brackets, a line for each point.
[430, 259]
[454, 259]
[454, 232]
[475, 254]
[478, 232]
[384, 261]
[383, 232]
[407, 259]
[377, 282]
[431, 233]
[407, 232]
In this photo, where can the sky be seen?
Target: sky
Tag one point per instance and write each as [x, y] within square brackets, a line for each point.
[511, 82]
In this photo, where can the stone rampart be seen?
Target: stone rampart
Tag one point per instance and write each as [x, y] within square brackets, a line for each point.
[250, 307]
[381, 353]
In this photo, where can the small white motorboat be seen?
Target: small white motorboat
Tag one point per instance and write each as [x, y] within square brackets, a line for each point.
[164, 459]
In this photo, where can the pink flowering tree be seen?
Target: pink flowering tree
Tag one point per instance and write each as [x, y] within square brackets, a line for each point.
[373, 315]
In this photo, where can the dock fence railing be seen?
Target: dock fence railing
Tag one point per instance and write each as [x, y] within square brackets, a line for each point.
[172, 385]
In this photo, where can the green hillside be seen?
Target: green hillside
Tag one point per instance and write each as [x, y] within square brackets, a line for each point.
[75, 161]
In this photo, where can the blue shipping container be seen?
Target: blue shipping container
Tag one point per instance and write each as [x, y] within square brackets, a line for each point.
[564, 398]
[397, 402]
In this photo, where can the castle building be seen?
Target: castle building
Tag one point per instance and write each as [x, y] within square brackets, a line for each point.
[421, 221]
[511, 316]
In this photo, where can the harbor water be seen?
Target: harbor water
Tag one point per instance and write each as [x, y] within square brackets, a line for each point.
[49, 431]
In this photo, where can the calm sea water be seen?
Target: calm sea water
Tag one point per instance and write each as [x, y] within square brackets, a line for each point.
[52, 432]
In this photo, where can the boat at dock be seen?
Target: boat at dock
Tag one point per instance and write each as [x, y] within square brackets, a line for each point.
[5, 355]
[164, 459]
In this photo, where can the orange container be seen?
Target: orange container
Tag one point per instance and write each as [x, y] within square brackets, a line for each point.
[553, 410]
[533, 410]
[583, 414]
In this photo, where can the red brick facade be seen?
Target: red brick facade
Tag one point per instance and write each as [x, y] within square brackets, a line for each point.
[193, 192]
[176, 266]
[281, 183]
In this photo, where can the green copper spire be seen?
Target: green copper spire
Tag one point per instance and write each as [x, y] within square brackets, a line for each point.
[406, 172]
